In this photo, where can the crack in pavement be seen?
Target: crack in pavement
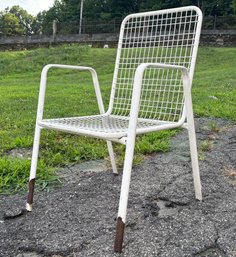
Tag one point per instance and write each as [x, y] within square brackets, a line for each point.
[212, 250]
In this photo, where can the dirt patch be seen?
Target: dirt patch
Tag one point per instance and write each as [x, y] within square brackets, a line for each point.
[24, 153]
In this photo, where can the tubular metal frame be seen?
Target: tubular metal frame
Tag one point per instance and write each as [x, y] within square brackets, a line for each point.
[123, 129]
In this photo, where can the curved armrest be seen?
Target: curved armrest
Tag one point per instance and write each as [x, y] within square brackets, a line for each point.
[43, 83]
[138, 88]
[143, 66]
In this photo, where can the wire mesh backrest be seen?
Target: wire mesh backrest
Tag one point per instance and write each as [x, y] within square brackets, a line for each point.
[170, 37]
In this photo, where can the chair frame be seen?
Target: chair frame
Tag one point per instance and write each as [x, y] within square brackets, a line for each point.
[186, 121]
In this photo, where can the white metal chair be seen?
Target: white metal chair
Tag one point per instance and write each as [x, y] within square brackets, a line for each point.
[151, 91]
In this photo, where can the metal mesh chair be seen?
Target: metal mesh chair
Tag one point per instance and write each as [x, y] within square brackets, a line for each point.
[151, 91]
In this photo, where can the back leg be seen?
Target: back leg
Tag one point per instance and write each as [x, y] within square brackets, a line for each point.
[112, 157]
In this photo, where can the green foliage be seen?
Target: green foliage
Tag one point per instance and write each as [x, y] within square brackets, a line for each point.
[14, 175]
[154, 142]
[24, 18]
[206, 145]
[99, 15]
[233, 5]
[11, 25]
[215, 7]
[44, 20]
[41, 24]
[16, 21]
[106, 12]
[212, 127]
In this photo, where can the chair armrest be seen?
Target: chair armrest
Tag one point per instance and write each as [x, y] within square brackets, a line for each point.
[43, 83]
[135, 103]
[141, 68]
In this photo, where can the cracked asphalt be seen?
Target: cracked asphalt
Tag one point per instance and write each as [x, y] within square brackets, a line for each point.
[164, 219]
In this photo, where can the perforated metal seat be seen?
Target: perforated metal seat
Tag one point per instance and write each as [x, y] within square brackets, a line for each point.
[103, 126]
[151, 91]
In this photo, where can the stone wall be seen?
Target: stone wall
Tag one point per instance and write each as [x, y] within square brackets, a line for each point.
[218, 38]
[208, 38]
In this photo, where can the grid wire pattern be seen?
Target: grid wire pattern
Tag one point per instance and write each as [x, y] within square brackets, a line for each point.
[97, 123]
[156, 38]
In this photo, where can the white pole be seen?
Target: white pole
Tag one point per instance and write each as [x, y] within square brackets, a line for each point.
[81, 16]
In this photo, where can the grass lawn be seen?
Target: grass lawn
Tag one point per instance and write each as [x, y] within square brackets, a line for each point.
[71, 93]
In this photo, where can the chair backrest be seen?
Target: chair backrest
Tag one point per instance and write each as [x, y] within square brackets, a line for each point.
[168, 36]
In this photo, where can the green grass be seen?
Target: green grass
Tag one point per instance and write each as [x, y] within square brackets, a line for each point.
[214, 90]
[13, 175]
[71, 93]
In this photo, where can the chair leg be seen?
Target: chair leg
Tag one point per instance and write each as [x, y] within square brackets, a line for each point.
[192, 138]
[120, 226]
[194, 158]
[34, 163]
[112, 157]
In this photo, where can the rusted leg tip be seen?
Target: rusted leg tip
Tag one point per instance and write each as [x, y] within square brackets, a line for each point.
[120, 227]
[117, 249]
[30, 195]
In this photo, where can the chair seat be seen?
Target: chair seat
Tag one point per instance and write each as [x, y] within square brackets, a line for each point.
[101, 126]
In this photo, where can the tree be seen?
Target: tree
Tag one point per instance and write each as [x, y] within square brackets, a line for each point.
[16, 21]
[233, 5]
[10, 25]
[104, 12]
[215, 7]
[44, 20]
[25, 19]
